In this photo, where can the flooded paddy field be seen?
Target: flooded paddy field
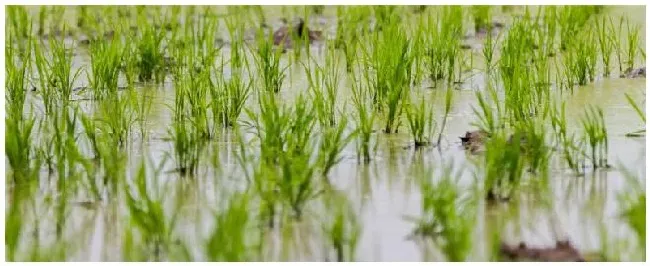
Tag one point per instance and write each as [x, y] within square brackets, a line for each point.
[311, 133]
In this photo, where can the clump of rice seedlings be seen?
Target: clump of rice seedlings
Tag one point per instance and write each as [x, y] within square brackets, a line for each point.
[229, 97]
[638, 112]
[616, 41]
[323, 85]
[332, 142]
[290, 132]
[503, 166]
[481, 16]
[150, 220]
[105, 62]
[489, 117]
[389, 72]
[444, 41]
[632, 44]
[118, 118]
[605, 43]
[150, 52]
[46, 78]
[187, 145]
[593, 124]
[16, 72]
[19, 21]
[352, 21]
[142, 105]
[61, 67]
[342, 230]
[531, 137]
[419, 114]
[448, 217]
[583, 57]
[18, 147]
[229, 240]
[267, 60]
[365, 120]
[572, 148]
[572, 20]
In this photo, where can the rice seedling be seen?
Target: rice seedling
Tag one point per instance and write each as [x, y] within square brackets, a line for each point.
[21, 25]
[229, 98]
[443, 39]
[605, 43]
[365, 120]
[105, 61]
[390, 61]
[638, 112]
[593, 124]
[632, 44]
[324, 88]
[420, 120]
[267, 60]
[150, 53]
[573, 20]
[503, 166]
[572, 148]
[332, 143]
[489, 119]
[16, 72]
[481, 16]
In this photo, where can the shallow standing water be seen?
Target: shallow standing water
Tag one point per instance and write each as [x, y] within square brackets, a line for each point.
[383, 192]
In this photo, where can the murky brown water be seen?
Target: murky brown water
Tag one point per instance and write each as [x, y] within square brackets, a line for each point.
[383, 192]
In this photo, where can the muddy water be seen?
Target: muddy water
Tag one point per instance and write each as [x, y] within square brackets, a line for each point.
[384, 192]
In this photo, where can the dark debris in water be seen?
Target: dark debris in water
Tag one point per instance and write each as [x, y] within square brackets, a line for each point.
[562, 252]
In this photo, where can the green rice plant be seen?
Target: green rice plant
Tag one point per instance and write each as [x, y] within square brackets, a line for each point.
[448, 100]
[61, 67]
[105, 62]
[117, 119]
[332, 142]
[142, 104]
[42, 17]
[228, 99]
[18, 147]
[448, 217]
[419, 115]
[365, 120]
[443, 40]
[616, 41]
[389, 72]
[594, 127]
[489, 52]
[632, 44]
[572, 147]
[490, 120]
[267, 60]
[323, 85]
[16, 71]
[187, 145]
[503, 166]
[150, 52]
[46, 79]
[342, 230]
[532, 139]
[20, 25]
[572, 20]
[481, 16]
[605, 44]
[229, 240]
[638, 112]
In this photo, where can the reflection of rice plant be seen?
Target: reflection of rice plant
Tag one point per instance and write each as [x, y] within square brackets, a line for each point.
[633, 207]
[449, 217]
[342, 230]
[229, 240]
